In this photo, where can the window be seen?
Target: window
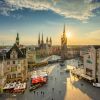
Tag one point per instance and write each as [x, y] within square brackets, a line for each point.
[89, 61]
[18, 67]
[13, 75]
[13, 54]
[8, 76]
[8, 62]
[24, 67]
[24, 61]
[13, 69]
[19, 74]
[8, 68]
[88, 72]
[18, 61]
[13, 62]
[98, 55]
[88, 56]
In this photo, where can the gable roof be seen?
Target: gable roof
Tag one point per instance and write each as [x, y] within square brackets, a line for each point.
[16, 48]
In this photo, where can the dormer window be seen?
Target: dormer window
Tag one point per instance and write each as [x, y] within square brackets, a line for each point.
[13, 54]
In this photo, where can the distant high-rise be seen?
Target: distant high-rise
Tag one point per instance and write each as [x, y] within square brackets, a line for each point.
[17, 39]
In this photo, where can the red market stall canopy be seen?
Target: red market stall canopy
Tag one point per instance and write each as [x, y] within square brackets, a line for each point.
[38, 80]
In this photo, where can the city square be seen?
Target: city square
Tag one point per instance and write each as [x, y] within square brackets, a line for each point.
[49, 49]
[65, 86]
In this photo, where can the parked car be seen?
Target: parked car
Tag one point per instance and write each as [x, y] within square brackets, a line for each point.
[96, 85]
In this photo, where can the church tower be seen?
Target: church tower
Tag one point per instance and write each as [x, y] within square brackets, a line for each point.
[64, 44]
[50, 41]
[42, 41]
[47, 40]
[64, 38]
[39, 40]
[17, 39]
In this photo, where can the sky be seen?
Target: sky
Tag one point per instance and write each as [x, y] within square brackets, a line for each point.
[31, 17]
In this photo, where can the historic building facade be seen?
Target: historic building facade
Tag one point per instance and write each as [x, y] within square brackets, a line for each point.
[14, 63]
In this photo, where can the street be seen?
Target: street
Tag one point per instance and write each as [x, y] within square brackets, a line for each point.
[61, 86]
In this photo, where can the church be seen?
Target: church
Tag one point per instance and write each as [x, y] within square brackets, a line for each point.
[42, 44]
[64, 44]
[44, 48]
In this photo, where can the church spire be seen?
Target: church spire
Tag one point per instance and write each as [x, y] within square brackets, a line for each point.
[47, 40]
[17, 39]
[42, 39]
[64, 31]
[50, 41]
[39, 39]
[64, 38]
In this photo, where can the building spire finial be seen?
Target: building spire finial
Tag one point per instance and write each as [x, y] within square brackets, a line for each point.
[17, 39]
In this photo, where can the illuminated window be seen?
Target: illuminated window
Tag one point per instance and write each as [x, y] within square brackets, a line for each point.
[13, 69]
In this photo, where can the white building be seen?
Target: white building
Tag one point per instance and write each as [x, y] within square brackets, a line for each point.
[92, 63]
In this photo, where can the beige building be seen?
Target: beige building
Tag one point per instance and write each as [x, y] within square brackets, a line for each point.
[2, 76]
[13, 64]
[31, 55]
[16, 64]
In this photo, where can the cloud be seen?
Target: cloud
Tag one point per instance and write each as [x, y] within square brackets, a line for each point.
[94, 34]
[77, 9]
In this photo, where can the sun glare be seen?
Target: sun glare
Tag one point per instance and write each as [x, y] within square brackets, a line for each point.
[68, 34]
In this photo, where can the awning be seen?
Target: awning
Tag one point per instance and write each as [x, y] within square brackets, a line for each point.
[38, 80]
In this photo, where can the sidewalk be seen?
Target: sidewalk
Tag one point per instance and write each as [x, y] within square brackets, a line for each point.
[80, 73]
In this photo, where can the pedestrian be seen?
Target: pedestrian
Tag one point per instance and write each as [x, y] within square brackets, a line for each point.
[37, 93]
[41, 92]
[52, 89]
